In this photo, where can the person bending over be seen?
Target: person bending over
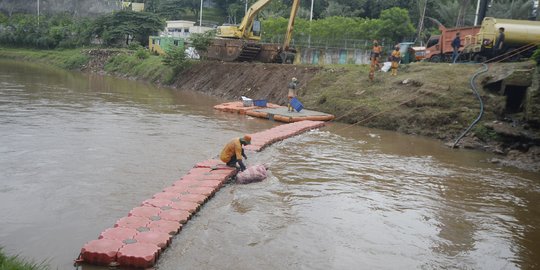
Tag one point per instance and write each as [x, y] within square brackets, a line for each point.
[233, 152]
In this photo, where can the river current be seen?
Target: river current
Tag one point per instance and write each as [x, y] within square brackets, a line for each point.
[78, 151]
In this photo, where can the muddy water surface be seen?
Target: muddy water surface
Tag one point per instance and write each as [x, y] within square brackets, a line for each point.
[77, 152]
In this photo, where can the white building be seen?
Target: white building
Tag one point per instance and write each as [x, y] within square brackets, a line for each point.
[183, 29]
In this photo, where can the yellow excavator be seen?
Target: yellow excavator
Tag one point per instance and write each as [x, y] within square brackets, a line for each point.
[242, 42]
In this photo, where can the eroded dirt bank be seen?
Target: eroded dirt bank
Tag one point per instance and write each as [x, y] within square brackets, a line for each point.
[433, 100]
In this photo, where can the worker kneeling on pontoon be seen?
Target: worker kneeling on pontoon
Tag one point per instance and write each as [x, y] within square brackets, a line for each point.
[233, 152]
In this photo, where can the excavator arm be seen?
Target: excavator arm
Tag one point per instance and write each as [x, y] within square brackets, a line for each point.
[290, 25]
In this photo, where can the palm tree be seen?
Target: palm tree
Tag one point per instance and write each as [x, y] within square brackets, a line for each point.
[511, 9]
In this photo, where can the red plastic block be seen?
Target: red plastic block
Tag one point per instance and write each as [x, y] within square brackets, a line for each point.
[197, 198]
[118, 233]
[141, 255]
[144, 211]
[185, 205]
[198, 183]
[177, 189]
[132, 222]
[156, 202]
[165, 226]
[202, 190]
[209, 176]
[181, 216]
[165, 195]
[102, 251]
[159, 239]
[211, 163]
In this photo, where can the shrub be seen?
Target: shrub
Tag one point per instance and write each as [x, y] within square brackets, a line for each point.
[142, 54]
[176, 59]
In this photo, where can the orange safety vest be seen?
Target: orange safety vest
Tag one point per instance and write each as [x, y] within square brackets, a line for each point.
[234, 147]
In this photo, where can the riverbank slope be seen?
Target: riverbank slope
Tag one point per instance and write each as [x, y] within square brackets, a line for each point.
[426, 99]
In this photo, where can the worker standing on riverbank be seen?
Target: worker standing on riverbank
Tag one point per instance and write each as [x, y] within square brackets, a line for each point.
[292, 93]
[233, 152]
[395, 58]
[456, 43]
[374, 59]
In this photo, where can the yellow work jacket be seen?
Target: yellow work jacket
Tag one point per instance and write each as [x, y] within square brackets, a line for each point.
[234, 147]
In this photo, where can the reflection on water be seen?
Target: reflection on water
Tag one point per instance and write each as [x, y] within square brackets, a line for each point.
[79, 151]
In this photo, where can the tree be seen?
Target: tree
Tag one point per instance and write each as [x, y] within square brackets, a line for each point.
[127, 26]
[170, 9]
[395, 25]
[175, 58]
[511, 9]
[202, 41]
[232, 12]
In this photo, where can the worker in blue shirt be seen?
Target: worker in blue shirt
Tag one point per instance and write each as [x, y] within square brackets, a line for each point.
[456, 43]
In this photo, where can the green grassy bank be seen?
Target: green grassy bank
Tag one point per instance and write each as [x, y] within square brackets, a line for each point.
[118, 62]
[16, 263]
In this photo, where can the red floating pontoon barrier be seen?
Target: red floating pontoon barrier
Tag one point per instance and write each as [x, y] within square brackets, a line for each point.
[101, 252]
[165, 226]
[159, 239]
[144, 211]
[141, 255]
[118, 233]
[136, 240]
[177, 215]
[132, 222]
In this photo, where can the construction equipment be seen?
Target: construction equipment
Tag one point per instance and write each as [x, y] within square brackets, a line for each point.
[439, 48]
[242, 42]
[286, 53]
[521, 38]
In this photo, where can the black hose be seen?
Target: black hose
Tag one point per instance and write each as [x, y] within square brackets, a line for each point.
[473, 87]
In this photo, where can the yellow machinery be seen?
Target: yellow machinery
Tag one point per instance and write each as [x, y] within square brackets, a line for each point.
[242, 42]
[518, 35]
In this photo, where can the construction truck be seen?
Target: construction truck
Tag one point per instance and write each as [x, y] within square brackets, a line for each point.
[521, 38]
[243, 42]
[439, 47]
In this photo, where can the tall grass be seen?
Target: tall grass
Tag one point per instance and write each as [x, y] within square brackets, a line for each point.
[148, 69]
[67, 59]
[16, 263]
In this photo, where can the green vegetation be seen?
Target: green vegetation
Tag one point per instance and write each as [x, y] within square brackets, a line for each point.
[201, 42]
[422, 95]
[68, 59]
[126, 26]
[149, 69]
[176, 59]
[16, 263]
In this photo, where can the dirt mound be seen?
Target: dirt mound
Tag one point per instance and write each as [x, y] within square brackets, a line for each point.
[254, 80]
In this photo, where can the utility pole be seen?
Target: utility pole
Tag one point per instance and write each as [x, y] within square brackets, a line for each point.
[200, 18]
[245, 10]
[310, 19]
[421, 22]
[38, 13]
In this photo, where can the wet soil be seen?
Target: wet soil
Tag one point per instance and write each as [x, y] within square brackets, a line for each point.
[433, 100]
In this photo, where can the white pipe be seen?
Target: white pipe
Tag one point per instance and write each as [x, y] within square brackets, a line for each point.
[477, 12]
[200, 18]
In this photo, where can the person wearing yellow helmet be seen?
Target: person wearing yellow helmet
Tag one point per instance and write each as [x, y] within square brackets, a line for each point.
[374, 59]
[233, 152]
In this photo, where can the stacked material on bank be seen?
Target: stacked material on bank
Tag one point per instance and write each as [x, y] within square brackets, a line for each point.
[239, 107]
[274, 112]
[138, 239]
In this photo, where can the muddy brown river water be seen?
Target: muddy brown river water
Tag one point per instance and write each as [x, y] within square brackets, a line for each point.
[78, 151]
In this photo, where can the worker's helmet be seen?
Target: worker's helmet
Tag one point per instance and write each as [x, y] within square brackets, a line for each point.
[294, 79]
[375, 41]
[246, 139]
